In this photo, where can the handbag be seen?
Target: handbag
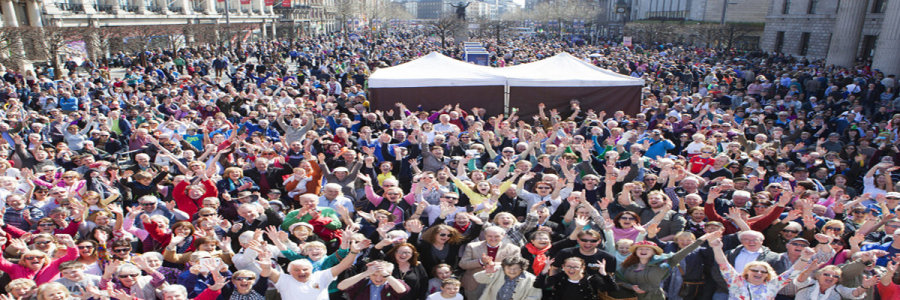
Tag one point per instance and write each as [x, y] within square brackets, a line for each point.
[689, 289]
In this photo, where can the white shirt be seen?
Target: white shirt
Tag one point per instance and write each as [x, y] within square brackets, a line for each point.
[316, 288]
[437, 296]
[744, 258]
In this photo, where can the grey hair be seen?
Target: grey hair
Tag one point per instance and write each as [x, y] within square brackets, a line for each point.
[153, 254]
[174, 288]
[128, 267]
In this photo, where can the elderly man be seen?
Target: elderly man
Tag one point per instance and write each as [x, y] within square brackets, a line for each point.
[751, 249]
[779, 234]
[267, 176]
[150, 206]
[376, 283]
[303, 283]
[479, 254]
[144, 164]
[332, 198]
[253, 216]
[295, 132]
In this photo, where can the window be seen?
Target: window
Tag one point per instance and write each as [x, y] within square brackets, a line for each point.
[804, 43]
[811, 9]
[878, 6]
[779, 41]
[786, 9]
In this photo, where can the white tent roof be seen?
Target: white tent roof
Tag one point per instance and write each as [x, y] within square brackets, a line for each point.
[564, 70]
[435, 69]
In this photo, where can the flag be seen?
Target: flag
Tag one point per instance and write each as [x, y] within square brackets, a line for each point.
[245, 2]
[286, 3]
[270, 2]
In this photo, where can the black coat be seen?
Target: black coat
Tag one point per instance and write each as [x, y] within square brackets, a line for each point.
[589, 287]
[275, 177]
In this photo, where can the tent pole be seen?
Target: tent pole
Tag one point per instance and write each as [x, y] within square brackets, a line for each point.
[506, 99]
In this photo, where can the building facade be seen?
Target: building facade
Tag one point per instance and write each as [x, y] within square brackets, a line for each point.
[737, 11]
[843, 32]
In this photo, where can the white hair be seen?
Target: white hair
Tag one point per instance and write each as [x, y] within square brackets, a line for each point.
[174, 288]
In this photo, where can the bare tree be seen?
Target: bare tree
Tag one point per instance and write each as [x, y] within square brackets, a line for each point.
[11, 44]
[53, 40]
[445, 27]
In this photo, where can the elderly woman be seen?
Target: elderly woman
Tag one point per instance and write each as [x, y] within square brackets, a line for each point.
[825, 285]
[36, 264]
[233, 182]
[128, 278]
[645, 269]
[178, 292]
[758, 280]
[201, 273]
[573, 283]
[22, 288]
[514, 284]
[53, 291]
[190, 197]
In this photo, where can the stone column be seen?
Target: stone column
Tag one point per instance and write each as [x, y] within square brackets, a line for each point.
[141, 6]
[209, 7]
[9, 14]
[888, 44]
[257, 5]
[187, 7]
[274, 24]
[89, 8]
[263, 31]
[847, 31]
[34, 13]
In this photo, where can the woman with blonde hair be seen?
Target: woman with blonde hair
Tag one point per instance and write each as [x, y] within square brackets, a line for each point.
[758, 280]
[234, 181]
[826, 285]
[53, 291]
[36, 264]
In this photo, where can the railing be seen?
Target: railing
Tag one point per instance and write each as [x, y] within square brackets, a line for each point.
[667, 15]
[220, 11]
[110, 9]
[233, 11]
[73, 7]
[245, 11]
[177, 9]
[130, 8]
[256, 11]
[155, 9]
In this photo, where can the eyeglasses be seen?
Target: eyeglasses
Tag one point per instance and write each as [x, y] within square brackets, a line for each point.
[707, 152]
[85, 247]
[443, 234]
[452, 198]
[207, 215]
[148, 204]
[32, 257]
[46, 225]
[797, 244]
[123, 250]
[833, 228]
[835, 276]
[129, 275]
[790, 231]
[244, 278]
[588, 241]
[572, 267]
[543, 188]
[757, 271]
[837, 242]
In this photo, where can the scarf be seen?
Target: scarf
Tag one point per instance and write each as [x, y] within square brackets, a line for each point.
[462, 229]
[540, 257]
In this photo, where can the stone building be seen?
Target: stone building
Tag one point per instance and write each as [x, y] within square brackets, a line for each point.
[738, 11]
[842, 32]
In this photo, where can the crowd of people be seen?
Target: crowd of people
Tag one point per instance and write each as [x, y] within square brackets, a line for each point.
[259, 172]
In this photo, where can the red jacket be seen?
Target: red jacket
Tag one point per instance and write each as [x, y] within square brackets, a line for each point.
[188, 205]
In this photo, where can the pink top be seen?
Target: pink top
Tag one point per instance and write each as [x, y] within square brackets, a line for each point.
[621, 233]
[375, 199]
[46, 274]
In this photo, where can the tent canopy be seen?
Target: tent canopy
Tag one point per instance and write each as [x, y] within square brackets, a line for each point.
[435, 70]
[564, 70]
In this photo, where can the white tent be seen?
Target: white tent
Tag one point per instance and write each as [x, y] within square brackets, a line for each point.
[434, 70]
[435, 80]
[565, 70]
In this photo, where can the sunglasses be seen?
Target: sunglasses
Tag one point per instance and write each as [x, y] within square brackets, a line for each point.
[207, 215]
[32, 257]
[790, 231]
[148, 204]
[627, 218]
[452, 198]
[443, 234]
[837, 242]
[798, 244]
[543, 188]
[588, 241]
[123, 250]
[244, 278]
[759, 271]
[85, 247]
[46, 225]
[129, 275]
[833, 228]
